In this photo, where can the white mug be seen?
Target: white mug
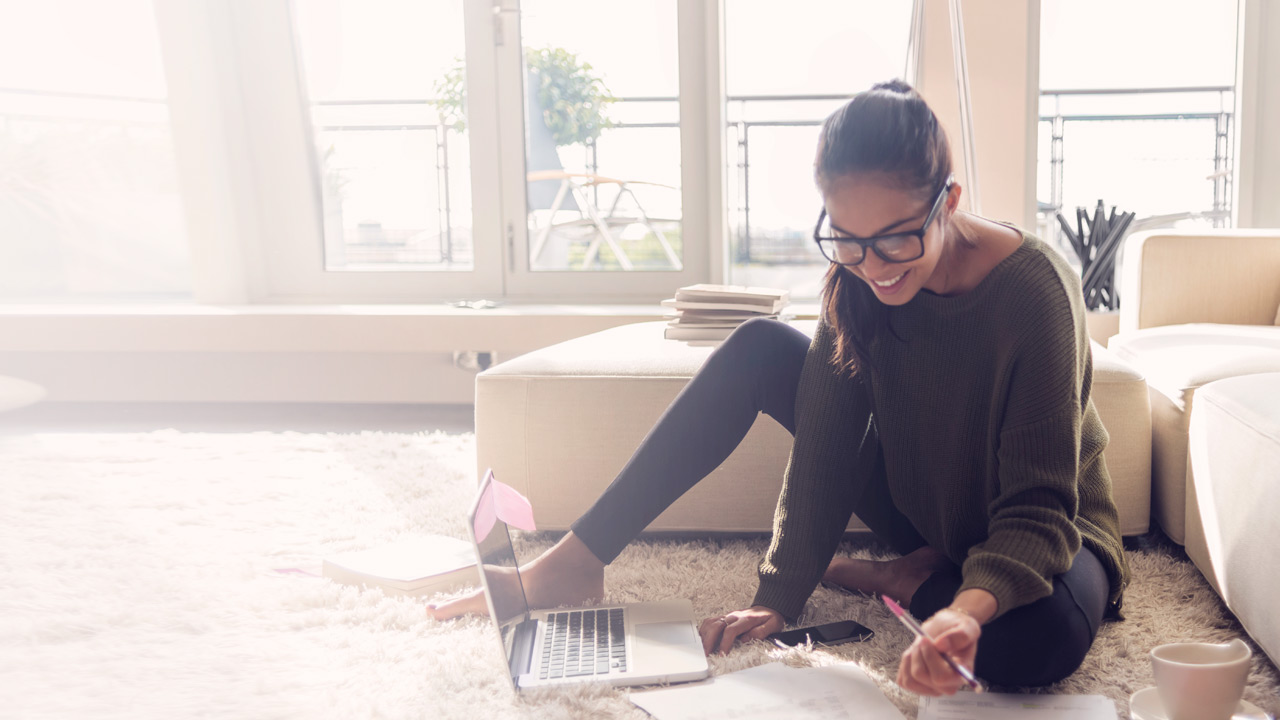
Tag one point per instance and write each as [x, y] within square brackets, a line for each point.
[1201, 681]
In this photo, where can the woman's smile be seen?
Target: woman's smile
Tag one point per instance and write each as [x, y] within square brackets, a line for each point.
[891, 284]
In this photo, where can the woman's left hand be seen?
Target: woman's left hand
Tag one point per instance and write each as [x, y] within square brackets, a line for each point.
[923, 670]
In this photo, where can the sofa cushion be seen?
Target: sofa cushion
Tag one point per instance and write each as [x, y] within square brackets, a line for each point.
[1178, 359]
[1233, 494]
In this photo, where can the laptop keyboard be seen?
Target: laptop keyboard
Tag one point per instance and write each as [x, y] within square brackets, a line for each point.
[578, 643]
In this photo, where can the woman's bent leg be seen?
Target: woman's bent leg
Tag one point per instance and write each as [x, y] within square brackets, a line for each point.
[1039, 643]
[756, 369]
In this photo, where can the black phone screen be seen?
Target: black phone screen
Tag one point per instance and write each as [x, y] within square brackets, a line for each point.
[829, 634]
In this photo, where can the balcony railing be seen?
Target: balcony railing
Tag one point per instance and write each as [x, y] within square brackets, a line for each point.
[408, 243]
[1221, 117]
[790, 245]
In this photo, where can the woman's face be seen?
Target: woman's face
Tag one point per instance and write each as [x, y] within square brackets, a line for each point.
[867, 205]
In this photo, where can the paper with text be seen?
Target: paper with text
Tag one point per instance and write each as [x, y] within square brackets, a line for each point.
[773, 690]
[998, 706]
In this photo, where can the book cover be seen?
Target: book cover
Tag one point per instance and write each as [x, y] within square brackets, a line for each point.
[700, 316]
[772, 308]
[418, 565]
[710, 322]
[705, 291]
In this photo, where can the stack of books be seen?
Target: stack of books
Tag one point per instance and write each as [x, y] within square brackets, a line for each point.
[706, 314]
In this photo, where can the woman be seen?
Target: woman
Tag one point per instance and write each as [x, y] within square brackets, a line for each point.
[944, 399]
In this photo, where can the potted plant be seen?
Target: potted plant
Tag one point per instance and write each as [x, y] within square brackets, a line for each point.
[573, 99]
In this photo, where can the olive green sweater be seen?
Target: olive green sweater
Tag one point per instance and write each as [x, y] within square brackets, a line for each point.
[989, 442]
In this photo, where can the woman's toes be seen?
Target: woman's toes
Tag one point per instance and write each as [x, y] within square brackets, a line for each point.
[469, 605]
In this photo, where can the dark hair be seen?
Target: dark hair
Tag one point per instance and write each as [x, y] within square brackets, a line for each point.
[888, 129]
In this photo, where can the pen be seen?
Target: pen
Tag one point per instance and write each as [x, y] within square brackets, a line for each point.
[914, 626]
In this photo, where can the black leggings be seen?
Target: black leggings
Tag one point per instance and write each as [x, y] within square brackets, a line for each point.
[757, 369]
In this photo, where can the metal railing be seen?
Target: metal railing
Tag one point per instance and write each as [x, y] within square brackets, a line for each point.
[1223, 119]
[791, 246]
[440, 131]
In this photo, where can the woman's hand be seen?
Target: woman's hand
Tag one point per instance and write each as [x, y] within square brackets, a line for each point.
[923, 670]
[755, 623]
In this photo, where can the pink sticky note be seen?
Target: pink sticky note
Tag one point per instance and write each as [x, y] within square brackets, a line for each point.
[486, 514]
[502, 502]
[512, 507]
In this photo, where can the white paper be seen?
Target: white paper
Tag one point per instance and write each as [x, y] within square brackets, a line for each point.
[1000, 706]
[410, 558]
[773, 690]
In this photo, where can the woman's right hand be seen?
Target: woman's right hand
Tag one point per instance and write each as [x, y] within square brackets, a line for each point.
[755, 623]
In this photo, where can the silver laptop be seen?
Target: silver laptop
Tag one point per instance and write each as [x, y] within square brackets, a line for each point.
[634, 644]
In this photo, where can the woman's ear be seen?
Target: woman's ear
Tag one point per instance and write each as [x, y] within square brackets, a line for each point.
[953, 198]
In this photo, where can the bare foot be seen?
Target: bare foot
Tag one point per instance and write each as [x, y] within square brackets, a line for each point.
[567, 574]
[898, 578]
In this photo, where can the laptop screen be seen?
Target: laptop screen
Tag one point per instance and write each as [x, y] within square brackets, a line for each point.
[499, 570]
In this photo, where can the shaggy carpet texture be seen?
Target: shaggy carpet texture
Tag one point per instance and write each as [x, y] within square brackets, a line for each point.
[138, 581]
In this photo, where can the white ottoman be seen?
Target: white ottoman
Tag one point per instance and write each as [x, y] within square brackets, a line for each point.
[15, 393]
[559, 424]
[1232, 532]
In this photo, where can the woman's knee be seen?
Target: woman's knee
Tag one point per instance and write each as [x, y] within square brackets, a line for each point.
[759, 332]
[763, 342]
[1035, 650]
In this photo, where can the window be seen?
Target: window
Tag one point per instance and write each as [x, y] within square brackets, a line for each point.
[604, 197]
[640, 221]
[782, 80]
[88, 194]
[428, 186]
[394, 165]
[352, 151]
[1146, 125]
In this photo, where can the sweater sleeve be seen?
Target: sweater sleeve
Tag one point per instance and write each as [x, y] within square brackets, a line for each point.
[1032, 534]
[833, 436]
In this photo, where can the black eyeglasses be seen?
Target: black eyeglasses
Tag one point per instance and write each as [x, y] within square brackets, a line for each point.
[899, 247]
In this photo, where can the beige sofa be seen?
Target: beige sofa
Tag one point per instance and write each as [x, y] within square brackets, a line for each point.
[1200, 318]
[1195, 307]
[559, 423]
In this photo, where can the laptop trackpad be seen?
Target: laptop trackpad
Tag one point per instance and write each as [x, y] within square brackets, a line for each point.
[667, 645]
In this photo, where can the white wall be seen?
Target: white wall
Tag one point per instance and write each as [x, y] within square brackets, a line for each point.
[1257, 190]
[1003, 55]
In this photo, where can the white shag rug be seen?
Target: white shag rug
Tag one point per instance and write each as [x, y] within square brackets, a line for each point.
[136, 581]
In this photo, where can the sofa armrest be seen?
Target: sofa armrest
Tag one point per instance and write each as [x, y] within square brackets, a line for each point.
[1172, 277]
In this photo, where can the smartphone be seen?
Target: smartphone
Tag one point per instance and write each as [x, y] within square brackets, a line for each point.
[830, 634]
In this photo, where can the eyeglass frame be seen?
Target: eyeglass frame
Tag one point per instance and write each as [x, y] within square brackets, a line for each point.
[870, 242]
